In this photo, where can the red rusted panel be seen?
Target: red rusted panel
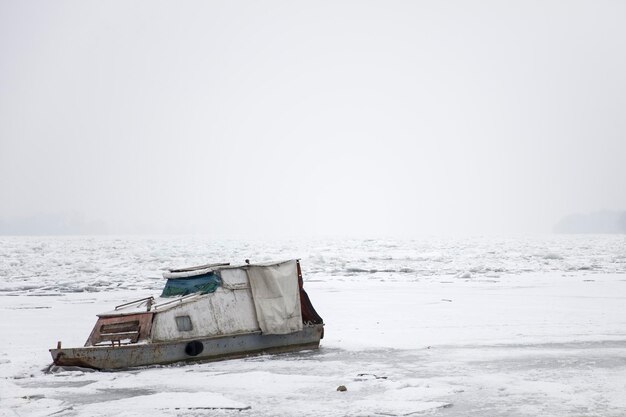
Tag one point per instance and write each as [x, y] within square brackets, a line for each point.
[309, 315]
[133, 327]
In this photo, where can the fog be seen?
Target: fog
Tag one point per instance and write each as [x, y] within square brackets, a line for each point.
[281, 119]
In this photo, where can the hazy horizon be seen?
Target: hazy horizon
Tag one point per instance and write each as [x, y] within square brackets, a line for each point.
[73, 224]
[286, 119]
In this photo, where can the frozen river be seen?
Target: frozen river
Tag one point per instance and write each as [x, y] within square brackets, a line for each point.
[447, 327]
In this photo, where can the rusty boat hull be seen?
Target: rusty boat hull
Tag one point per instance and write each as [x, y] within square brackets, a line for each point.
[190, 350]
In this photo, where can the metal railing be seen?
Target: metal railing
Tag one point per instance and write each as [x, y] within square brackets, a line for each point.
[149, 301]
[178, 300]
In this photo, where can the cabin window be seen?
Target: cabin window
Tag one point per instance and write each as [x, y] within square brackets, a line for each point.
[203, 284]
[183, 323]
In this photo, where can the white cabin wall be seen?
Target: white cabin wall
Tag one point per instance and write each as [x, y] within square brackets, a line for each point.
[237, 311]
[219, 313]
[199, 311]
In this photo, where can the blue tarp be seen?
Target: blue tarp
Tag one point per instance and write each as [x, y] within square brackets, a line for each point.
[182, 286]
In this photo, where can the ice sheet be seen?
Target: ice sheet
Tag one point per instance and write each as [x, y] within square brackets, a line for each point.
[550, 341]
[40, 265]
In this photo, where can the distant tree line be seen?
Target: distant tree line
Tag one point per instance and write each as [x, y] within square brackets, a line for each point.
[597, 222]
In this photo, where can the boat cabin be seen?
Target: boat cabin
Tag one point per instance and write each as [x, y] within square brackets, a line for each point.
[211, 301]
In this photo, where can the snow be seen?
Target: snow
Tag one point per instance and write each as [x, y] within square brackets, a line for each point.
[165, 401]
[497, 327]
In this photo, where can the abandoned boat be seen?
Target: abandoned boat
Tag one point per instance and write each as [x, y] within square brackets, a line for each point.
[204, 313]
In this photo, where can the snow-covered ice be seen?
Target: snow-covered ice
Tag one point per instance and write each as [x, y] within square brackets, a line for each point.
[447, 327]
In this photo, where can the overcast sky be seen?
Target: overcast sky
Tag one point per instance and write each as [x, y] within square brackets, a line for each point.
[268, 118]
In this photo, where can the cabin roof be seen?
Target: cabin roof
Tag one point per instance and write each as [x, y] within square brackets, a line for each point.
[192, 271]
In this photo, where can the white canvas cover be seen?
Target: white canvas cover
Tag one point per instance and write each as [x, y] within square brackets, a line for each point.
[276, 297]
